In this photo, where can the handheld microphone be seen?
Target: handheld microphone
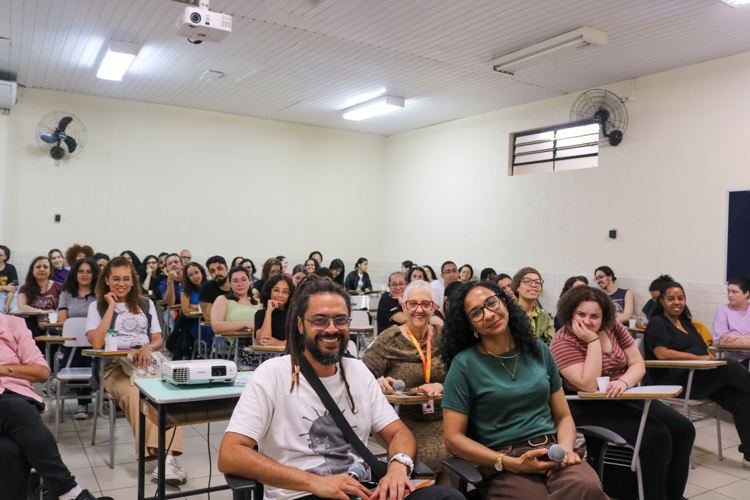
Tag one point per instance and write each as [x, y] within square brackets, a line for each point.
[356, 472]
[399, 385]
[555, 453]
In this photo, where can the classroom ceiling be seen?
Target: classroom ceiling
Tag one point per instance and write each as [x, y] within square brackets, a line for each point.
[301, 60]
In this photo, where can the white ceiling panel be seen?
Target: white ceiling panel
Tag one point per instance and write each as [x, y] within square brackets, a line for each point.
[300, 60]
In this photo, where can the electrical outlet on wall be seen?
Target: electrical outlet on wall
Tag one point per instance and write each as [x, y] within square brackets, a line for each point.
[58, 218]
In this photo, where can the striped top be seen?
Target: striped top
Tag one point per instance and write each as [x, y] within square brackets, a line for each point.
[568, 350]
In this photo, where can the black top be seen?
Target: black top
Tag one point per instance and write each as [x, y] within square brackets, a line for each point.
[388, 307]
[209, 292]
[8, 275]
[258, 285]
[154, 285]
[278, 322]
[352, 280]
[660, 332]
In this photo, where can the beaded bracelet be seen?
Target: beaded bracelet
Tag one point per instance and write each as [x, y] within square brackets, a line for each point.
[587, 343]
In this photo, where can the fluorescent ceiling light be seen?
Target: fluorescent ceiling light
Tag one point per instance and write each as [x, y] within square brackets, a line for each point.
[736, 3]
[582, 37]
[364, 97]
[117, 60]
[374, 107]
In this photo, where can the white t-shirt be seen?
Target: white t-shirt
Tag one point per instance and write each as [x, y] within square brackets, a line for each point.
[360, 283]
[294, 429]
[131, 329]
[439, 290]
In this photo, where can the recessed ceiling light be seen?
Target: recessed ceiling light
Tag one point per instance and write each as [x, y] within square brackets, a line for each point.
[363, 97]
[117, 60]
[736, 3]
[374, 107]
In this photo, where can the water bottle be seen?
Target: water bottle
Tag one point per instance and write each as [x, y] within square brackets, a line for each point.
[110, 341]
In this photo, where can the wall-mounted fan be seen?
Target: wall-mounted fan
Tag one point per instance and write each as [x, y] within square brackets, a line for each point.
[61, 135]
[605, 108]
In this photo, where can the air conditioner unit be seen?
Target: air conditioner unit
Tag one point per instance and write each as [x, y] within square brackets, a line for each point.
[8, 91]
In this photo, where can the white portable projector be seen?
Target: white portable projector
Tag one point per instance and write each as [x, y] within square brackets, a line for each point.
[198, 371]
[203, 25]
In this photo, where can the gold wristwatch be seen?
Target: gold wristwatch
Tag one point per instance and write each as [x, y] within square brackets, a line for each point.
[499, 462]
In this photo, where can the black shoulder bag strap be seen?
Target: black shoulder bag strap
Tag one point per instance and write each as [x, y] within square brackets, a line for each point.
[378, 468]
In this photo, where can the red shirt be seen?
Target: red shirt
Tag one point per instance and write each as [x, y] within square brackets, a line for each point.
[17, 347]
[568, 350]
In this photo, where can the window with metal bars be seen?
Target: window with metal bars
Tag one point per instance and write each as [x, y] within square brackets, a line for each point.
[566, 147]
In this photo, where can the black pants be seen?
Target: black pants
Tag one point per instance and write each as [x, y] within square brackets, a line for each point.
[434, 492]
[730, 387]
[78, 361]
[665, 448]
[25, 442]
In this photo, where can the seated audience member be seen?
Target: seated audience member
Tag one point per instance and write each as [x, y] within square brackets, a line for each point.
[465, 273]
[101, 259]
[271, 320]
[284, 265]
[133, 259]
[449, 273]
[504, 281]
[76, 252]
[338, 270]
[324, 272]
[8, 281]
[237, 261]
[59, 272]
[236, 310]
[450, 290]
[77, 295]
[390, 312]
[317, 256]
[527, 286]
[416, 273]
[431, 276]
[623, 299]
[503, 402]
[570, 283]
[653, 289]
[193, 279]
[271, 268]
[250, 266]
[298, 273]
[311, 265]
[39, 293]
[119, 306]
[218, 285]
[186, 257]
[151, 276]
[358, 279]
[593, 344]
[405, 266]
[487, 274]
[396, 354]
[25, 441]
[171, 287]
[731, 322]
[303, 464]
[671, 335]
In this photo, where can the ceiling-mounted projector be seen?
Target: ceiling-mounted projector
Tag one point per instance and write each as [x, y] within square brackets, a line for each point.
[202, 25]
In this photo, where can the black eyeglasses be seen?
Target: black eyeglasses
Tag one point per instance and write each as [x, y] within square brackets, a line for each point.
[529, 282]
[321, 322]
[491, 304]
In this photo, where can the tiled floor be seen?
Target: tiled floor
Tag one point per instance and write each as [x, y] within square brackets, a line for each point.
[711, 480]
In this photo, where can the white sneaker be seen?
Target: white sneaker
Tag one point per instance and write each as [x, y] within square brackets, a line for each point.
[174, 475]
[82, 413]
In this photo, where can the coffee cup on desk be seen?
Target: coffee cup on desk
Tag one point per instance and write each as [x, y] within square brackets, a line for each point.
[631, 323]
[52, 317]
[602, 382]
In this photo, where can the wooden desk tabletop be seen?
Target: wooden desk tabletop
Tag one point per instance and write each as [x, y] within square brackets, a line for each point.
[52, 325]
[725, 347]
[111, 354]
[362, 329]
[644, 392]
[24, 314]
[698, 364]
[247, 333]
[405, 398]
[172, 308]
[636, 330]
[53, 339]
[266, 348]
[194, 315]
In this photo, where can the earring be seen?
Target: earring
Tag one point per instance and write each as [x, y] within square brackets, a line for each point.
[476, 334]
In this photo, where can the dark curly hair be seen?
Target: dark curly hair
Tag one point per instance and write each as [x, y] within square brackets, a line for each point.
[459, 336]
[659, 307]
[570, 300]
[71, 254]
[71, 282]
[265, 294]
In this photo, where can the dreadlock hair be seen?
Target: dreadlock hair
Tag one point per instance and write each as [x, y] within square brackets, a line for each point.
[295, 339]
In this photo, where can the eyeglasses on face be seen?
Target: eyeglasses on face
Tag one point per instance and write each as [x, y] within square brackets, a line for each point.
[450, 271]
[427, 305]
[397, 284]
[493, 303]
[530, 281]
[321, 322]
[279, 290]
[600, 277]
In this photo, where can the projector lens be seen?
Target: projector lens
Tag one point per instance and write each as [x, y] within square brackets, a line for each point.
[195, 18]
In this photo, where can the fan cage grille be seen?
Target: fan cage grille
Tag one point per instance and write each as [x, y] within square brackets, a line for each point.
[75, 129]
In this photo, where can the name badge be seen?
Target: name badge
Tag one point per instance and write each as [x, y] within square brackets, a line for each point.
[428, 407]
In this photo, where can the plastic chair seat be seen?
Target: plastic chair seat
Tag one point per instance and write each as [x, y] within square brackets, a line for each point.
[73, 374]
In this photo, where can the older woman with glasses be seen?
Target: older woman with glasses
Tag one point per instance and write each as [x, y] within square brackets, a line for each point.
[504, 405]
[408, 352]
[390, 312]
[527, 287]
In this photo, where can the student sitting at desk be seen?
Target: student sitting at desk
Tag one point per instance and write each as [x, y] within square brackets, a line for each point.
[358, 279]
[271, 268]
[271, 320]
[218, 284]
[236, 310]
[670, 335]
[8, 282]
[193, 279]
[119, 306]
[151, 276]
[732, 321]
[59, 272]
[171, 287]
[39, 293]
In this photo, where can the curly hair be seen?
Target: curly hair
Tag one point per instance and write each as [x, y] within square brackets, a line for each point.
[659, 307]
[300, 302]
[71, 254]
[188, 287]
[569, 302]
[267, 266]
[265, 294]
[102, 288]
[71, 282]
[459, 336]
[134, 259]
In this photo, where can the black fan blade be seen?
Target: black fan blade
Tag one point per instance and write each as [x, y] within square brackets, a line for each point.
[614, 137]
[64, 123]
[57, 152]
[49, 138]
[71, 143]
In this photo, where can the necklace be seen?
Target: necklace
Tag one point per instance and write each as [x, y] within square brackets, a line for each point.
[501, 358]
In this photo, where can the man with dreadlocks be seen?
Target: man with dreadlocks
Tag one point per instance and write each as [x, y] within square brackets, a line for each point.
[302, 453]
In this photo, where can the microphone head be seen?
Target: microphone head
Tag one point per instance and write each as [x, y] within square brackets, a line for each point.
[556, 453]
[356, 471]
[399, 385]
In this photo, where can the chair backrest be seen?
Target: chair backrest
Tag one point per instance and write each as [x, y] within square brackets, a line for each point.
[360, 319]
[379, 286]
[76, 327]
[639, 345]
[707, 337]
[359, 301]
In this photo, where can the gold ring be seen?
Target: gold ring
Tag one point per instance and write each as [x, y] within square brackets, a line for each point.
[566, 460]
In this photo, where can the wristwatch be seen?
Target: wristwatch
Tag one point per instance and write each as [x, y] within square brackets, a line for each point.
[499, 462]
[402, 458]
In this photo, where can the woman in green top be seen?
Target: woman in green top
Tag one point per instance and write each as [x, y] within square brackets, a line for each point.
[527, 285]
[503, 403]
[236, 310]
